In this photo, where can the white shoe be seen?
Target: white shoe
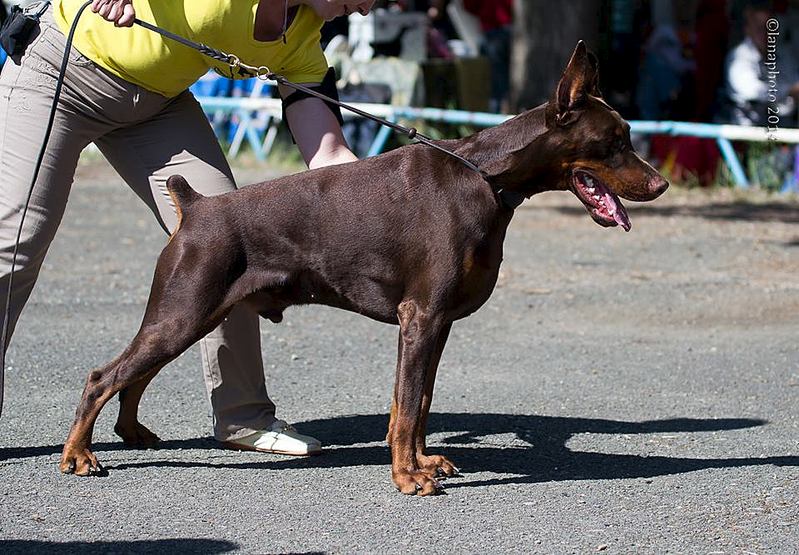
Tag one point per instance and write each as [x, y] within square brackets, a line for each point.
[280, 438]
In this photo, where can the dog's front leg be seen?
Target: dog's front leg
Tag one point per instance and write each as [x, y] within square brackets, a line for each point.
[435, 464]
[419, 333]
[393, 417]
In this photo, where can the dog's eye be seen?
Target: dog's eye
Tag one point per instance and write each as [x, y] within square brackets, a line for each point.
[615, 161]
[622, 143]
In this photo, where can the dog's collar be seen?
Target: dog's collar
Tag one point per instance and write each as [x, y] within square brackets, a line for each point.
[510, 199]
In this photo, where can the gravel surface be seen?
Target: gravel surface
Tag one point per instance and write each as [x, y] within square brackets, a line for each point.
[619, 393]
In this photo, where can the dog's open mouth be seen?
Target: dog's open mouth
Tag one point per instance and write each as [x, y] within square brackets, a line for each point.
[604, 206]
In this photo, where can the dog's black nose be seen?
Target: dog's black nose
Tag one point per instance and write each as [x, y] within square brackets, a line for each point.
[658, 185]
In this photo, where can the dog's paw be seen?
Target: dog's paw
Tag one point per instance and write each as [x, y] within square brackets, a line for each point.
[437, 465]
[136, 436]
[79, 461]
[417, 482]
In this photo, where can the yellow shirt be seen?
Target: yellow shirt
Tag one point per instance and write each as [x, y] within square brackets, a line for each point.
[159, 64]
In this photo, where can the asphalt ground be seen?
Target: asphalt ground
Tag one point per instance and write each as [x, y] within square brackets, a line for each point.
[619, 393]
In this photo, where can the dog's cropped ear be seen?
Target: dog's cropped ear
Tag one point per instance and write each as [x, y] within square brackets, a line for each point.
[579, 79]
[594, 89]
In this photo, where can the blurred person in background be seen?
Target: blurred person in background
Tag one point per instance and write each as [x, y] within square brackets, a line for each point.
[666, 76]
[496, 19]
[789, 21]
[668, 90]
[441, 30]
[712, 42]
[747, 89]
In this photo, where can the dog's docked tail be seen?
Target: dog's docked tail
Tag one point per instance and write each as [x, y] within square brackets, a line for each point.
[181, 192]
[183, 196]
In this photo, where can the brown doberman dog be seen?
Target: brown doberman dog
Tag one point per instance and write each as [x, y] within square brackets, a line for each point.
[412, 237]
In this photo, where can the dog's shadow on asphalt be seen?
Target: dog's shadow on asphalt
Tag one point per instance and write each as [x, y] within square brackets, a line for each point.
[528, 448]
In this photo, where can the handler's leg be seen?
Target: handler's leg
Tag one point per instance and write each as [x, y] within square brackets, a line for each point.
[178, 140]
[26, 97]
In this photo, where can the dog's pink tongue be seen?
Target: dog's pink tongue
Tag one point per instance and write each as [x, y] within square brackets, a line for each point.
[617, 210]
[622, 218]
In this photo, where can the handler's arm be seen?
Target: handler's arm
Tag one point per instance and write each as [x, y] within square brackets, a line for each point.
[317, 132]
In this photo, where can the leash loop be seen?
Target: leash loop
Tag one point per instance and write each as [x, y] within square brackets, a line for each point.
[263, 73]
[233, 61]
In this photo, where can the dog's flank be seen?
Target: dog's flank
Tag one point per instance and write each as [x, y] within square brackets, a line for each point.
[412, 238]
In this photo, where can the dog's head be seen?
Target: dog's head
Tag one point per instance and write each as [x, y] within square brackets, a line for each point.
[591, 141]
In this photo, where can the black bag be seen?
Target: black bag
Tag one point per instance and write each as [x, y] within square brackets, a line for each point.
[17, 29]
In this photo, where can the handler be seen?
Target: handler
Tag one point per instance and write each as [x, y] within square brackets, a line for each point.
[126, 91]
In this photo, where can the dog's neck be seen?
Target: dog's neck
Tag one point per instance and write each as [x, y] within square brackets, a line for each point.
[515, 156]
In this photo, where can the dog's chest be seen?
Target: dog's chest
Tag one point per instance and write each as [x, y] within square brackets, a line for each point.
[479, 270]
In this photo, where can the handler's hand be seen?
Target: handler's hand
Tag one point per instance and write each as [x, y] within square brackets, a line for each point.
[331, 9]
[120, 12]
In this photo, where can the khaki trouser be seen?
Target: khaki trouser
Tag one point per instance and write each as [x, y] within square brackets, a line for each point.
[147, 138]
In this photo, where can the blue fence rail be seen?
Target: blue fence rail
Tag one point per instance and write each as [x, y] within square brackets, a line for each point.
[259, 139]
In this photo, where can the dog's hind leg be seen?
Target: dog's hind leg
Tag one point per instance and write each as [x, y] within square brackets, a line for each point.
[185, 304]
[435, 464]
[128, 427]
[420, 329]
[152, 348]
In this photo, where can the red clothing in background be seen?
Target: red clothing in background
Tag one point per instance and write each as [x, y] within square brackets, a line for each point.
[492, 13]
